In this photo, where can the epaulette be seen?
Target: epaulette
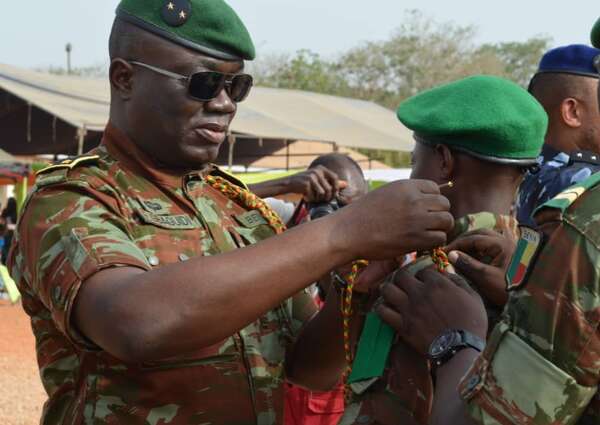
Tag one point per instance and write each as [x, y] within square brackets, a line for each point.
[585, 157]
[69, 164]
[567, 197]
[57, 173]
[229, 177]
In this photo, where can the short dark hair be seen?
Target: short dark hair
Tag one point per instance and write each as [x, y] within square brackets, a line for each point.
[550, 89]
[338, 163]
[125, 40]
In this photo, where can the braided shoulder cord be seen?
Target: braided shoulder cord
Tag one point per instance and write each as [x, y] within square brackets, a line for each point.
[440, 259]
[248, 200]
[346, 304]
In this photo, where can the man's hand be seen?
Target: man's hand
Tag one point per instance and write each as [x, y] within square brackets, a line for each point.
[423, 307]
[468, 253]
[395, 219]
[318, 184]
[371, 277]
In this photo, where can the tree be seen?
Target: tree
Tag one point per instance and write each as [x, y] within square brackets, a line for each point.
[420, 54]
[520, 59]
[304, 71]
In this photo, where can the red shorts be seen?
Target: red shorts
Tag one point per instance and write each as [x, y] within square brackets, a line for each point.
[303, 407]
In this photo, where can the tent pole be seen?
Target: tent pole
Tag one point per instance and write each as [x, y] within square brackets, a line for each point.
[287, 155]
[28, 122]
[54, 130]
[81, 133]
[231, 141]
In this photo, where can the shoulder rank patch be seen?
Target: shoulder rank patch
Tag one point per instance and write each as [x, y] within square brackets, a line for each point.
[524, 258]
[69, 164]
[585, 157]
[566, 198]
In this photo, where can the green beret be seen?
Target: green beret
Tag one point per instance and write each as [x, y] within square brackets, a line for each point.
[487, 117]
[208, 26]
[596, 34]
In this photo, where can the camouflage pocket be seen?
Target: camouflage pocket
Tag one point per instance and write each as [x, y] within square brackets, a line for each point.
[252, 227]
[182, 390]
[513, 378]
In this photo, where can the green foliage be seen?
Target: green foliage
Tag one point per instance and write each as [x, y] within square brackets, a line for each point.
[520, 59]
[422, 53]
[305, 71]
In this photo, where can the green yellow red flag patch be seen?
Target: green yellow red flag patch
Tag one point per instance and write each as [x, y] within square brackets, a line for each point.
[524, 257]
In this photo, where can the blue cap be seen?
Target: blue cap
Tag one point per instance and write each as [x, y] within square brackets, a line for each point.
[576, 59]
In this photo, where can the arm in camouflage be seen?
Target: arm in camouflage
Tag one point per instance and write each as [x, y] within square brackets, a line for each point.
[542, 363]
[63, 238]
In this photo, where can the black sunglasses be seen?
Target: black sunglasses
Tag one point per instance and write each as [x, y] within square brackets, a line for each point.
[207, 85]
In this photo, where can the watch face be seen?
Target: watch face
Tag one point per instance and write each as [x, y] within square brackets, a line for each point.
[443, 343]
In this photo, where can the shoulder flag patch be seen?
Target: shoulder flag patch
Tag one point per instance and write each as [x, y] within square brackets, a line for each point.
[524, 258]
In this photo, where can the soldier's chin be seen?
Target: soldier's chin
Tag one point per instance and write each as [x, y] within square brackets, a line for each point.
[196, 157]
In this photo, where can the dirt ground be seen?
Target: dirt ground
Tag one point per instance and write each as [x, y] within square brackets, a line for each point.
[21, 392]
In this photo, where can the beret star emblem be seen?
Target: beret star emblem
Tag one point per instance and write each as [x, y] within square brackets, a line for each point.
[176, 12]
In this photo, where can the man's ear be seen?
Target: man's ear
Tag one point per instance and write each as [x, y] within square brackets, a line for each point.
[571, 113]
[121, 78]
[447, 162]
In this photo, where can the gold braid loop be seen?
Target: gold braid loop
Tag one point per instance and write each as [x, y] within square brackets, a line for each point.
[247, 200]
[440, 259]
[346, 304]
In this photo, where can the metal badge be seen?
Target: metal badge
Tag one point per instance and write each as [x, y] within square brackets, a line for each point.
[175, 13]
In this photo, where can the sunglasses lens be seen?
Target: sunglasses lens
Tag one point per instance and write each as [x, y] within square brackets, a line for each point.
[240, 87]
[206, 85]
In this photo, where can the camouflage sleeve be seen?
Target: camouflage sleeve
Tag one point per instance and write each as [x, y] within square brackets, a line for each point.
[542, 362]
[66, 235]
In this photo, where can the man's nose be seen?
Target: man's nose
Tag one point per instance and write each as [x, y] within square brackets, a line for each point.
[222, 103]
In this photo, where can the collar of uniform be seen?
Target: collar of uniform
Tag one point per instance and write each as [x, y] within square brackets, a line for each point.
[124, 150]
[549, 153]
[483, 220]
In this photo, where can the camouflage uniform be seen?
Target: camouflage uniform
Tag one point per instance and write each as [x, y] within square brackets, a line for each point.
[404, 394]
[557, 171]
[542, 362]
[117, 209]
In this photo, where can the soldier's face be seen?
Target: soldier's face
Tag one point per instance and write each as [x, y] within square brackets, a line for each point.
[176, 130]
[426, 164]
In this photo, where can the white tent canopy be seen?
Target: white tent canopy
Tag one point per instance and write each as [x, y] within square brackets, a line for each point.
[267, 113]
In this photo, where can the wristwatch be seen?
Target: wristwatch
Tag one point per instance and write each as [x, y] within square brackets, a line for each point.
[445, 346]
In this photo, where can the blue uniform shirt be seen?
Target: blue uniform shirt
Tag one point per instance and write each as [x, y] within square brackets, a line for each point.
[557, 171]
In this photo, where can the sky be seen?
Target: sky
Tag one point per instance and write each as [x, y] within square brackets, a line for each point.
[35, 33]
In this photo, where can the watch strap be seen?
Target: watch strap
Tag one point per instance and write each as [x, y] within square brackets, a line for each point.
[466, 340]
[472, 340]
